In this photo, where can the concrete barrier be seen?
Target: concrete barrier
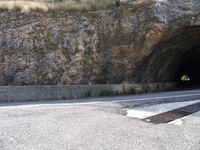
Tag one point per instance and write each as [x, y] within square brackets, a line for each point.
[58, 92]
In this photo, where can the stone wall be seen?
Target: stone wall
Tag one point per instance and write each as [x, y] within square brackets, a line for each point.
[54, 92]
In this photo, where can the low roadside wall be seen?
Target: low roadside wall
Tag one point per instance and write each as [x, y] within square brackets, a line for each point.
[57, 92]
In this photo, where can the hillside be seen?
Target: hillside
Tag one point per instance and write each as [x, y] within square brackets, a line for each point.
[128, 44]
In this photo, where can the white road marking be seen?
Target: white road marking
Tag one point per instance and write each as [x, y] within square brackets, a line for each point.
[155, 98]
[66, 103]
[144, 112]
[177, 122]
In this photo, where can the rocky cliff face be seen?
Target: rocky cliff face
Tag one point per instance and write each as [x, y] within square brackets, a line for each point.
[136, 44]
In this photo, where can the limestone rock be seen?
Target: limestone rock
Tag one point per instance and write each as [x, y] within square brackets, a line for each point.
[138, 45]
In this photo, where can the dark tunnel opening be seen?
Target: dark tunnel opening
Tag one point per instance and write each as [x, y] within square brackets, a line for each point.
[176, 59]
[188, 74]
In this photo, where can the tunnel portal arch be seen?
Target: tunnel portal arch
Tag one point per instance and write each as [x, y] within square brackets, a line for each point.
[169, 60]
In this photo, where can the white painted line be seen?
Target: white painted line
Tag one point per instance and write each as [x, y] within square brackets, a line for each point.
[154, 98]
[65, 102]
[136, 99]
[144, 112]
[177, 122]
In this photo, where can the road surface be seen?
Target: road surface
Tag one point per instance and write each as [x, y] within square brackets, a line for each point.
[100, 123]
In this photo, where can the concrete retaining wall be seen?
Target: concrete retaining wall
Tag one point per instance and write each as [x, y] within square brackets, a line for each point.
[53, 92]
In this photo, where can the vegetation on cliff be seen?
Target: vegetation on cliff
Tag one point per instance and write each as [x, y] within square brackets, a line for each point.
[69, 5]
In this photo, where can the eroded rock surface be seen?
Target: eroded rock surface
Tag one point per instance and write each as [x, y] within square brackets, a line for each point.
[133, 44]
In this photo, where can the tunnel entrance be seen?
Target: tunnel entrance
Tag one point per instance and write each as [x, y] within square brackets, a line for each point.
[176, 59]
[189, 70]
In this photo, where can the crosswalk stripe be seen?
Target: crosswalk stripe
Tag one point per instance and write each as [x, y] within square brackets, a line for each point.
[165, 113]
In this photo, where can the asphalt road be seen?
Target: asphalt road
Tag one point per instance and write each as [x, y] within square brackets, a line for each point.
[96, 123]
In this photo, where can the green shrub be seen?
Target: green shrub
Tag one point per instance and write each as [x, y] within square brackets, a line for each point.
[101, 77]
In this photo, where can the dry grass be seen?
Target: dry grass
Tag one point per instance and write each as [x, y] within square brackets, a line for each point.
[68, 5]
[25, 5]
[44, 6]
